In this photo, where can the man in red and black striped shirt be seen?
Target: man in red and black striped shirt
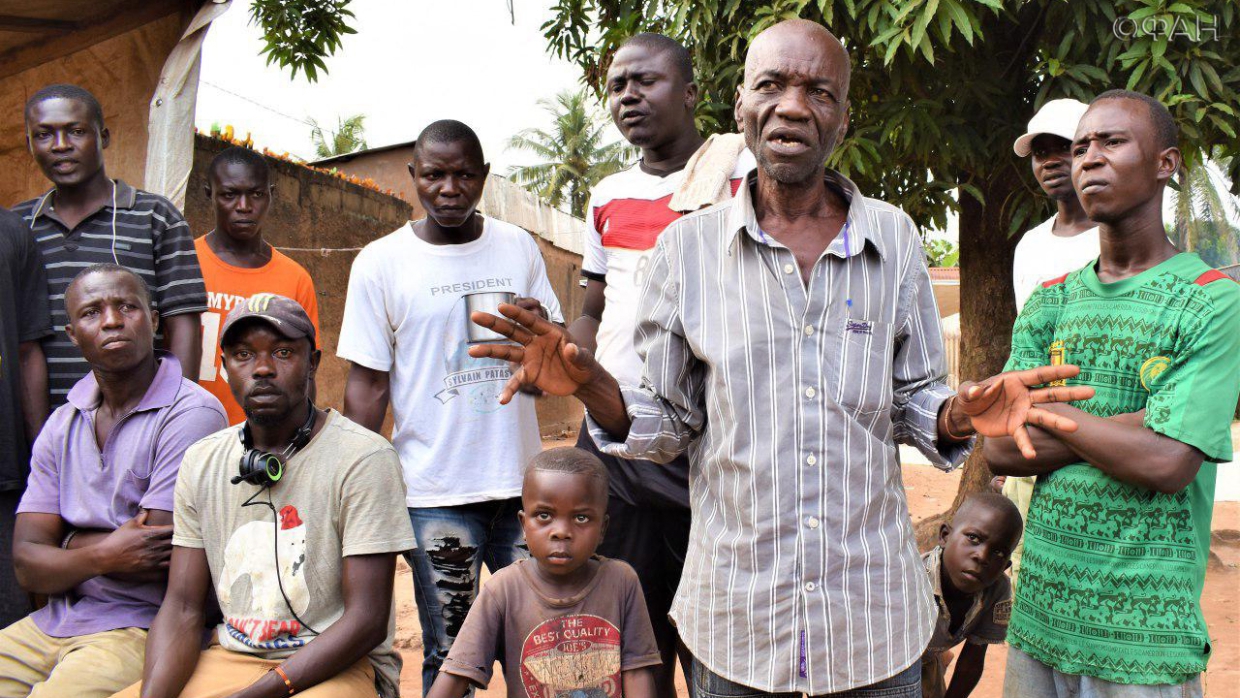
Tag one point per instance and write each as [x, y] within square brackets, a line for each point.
[652, 96]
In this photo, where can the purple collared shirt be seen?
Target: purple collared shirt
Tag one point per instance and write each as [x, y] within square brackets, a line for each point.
[89, 487]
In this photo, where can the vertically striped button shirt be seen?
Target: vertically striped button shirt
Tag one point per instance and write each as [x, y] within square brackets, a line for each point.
[151, 239]
[802, 572]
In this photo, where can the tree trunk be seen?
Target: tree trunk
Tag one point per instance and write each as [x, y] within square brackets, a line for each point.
[987, 309]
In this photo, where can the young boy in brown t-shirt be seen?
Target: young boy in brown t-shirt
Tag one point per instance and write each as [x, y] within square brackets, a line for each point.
[567, 623]
[971, 591]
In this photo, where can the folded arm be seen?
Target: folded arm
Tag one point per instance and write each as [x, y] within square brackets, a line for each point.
[139, 550]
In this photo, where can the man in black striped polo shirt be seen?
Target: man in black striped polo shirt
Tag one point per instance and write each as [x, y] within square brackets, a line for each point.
[87, 218]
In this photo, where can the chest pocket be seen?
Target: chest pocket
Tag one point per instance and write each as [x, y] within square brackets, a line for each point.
[863, 367]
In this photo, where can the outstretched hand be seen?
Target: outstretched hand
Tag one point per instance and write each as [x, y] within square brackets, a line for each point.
[1004, 404]
[544, 352]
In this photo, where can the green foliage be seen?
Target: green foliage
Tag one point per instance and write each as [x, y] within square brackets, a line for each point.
[1206, 216]
[349, 136]
[941, 88]
[574, 156]
[942, 253]
[299, 34]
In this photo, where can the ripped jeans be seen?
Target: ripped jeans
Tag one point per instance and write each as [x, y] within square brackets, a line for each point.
[453, 543]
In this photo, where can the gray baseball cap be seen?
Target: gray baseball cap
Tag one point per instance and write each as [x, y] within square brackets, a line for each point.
[284, 314]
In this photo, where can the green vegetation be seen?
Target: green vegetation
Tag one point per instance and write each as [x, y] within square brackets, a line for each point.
[941, 89]
[349, 137]
[574, 156]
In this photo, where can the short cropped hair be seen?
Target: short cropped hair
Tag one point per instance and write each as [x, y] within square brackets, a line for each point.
[1165, 128]
[665, 44]
[572, 461]
[66, 91]
[997, 503]
[237, 155]
[109, 268]
[449, 131]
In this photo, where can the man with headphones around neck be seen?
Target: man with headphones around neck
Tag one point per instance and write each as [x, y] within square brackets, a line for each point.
[295, 518]
[93, 527]
[87, 218]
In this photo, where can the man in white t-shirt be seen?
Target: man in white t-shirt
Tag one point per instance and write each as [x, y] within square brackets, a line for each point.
[406, 331]
[652, 97]
[1064, 243]
[1068, 240]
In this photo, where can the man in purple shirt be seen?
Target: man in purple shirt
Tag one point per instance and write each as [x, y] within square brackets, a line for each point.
[94, 527]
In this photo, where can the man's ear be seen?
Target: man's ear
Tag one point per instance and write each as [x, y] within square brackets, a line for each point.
[944, 531]
[206, 189]
[154, 322]
[1169, 162]
[1008, 566]
[692, 95]
[486, 171]
[316, 356]
[69, 331]
[521, 517]
[413, 172]
[839, 136]
[105, 138]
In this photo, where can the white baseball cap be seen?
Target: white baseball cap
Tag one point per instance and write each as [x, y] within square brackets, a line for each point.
[1057, 117]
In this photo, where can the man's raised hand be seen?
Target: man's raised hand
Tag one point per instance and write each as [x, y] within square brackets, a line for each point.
[1003, 404]
[545, 353]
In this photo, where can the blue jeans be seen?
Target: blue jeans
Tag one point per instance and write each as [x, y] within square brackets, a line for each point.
[708, 684]
[453, 543]
[1026, 677]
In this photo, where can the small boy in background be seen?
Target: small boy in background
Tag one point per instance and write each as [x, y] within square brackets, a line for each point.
[568, 623]
[973, 595]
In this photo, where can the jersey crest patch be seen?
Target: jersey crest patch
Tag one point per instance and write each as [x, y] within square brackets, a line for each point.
[1152, 369]
[1057, 352]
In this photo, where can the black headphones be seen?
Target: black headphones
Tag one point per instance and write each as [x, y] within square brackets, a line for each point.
[265, 469]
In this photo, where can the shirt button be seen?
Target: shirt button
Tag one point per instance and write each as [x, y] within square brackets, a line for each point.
[812, 522]
[809, 330]
[810, 392]
[810, 586]
[788, 269]
[811, 459]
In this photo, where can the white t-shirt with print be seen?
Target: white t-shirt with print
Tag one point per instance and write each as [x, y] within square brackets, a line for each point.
[1041, 255]
[407, 314]
[627, 212]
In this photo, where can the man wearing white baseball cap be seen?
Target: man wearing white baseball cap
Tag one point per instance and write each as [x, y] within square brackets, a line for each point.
[1064, 243]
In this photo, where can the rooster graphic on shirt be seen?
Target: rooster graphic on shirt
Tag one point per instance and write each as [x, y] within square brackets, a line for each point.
[257, 613]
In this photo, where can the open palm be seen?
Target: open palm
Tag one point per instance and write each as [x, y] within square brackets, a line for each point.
[546, 357]
[1003, 405]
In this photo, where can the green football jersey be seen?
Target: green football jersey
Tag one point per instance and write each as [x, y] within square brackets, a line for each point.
[1111, 579]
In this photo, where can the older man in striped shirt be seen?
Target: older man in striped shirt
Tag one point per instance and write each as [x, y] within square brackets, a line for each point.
[791, 339]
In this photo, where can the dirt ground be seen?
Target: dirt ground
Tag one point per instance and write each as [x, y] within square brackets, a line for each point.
[929, 492]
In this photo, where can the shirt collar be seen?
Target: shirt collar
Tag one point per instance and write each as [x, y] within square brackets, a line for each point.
[126, 198]
[86, 396]
[741, 217]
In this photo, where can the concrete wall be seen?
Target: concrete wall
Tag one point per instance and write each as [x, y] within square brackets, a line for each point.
[388, 168]
[121, 72]
[328, 220]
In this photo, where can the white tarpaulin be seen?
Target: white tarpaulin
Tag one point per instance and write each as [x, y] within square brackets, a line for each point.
[170, 133]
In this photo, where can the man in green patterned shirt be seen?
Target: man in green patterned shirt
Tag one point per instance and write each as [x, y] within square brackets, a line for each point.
[1118, 531]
